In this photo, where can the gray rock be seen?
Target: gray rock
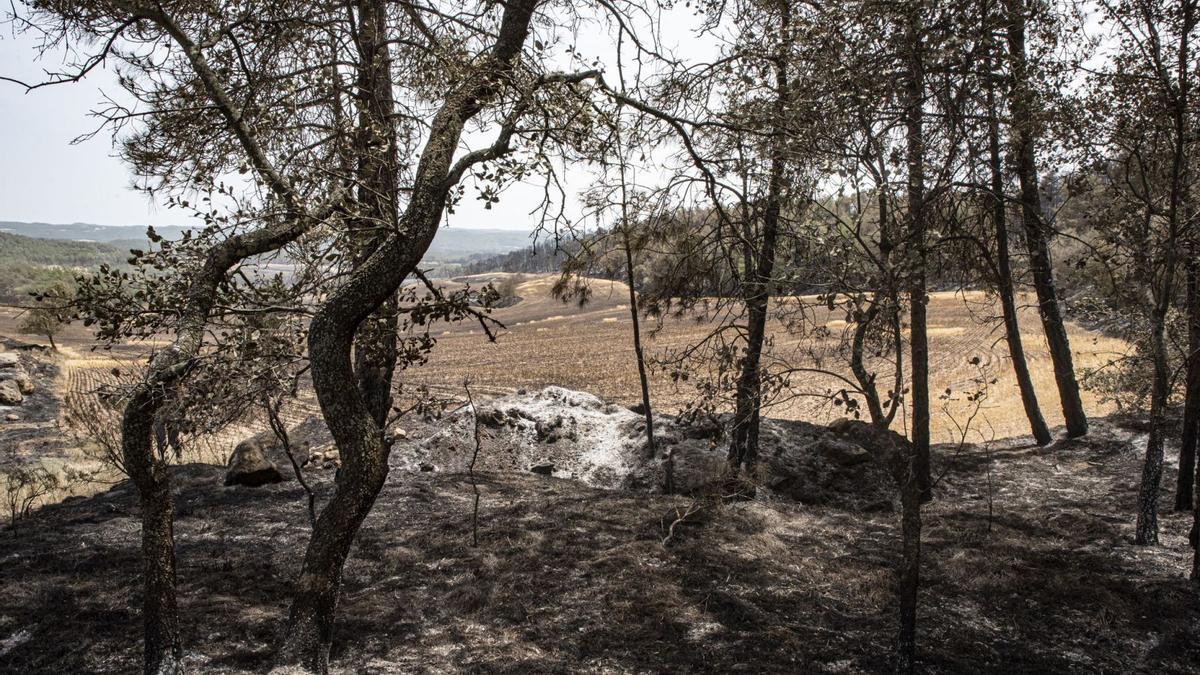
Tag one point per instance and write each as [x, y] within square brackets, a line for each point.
[18, 375]
[840, 452]
[544, 469]
[10, 360]
[10, 393]
[248, 465]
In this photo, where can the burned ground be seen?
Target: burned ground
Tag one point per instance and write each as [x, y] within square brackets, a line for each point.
[1029, 567]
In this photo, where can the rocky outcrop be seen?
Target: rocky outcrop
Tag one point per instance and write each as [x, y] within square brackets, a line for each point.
[10, 393]
[570, 434]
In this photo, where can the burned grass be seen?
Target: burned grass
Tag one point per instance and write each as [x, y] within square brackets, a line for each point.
[569, 578]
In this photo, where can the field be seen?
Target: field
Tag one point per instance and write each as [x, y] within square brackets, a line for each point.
[589, 348]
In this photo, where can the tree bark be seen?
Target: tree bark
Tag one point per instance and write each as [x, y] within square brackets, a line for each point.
[378, 201]
[914, 121]
[1004, 281]
[1186, 482]
[347, 412]
[1036, 230]
[743, 450]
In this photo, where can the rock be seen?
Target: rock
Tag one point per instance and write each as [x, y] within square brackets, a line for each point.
[840, 452]
[248, 465]
[544, 469]
[10, 393]
[426, 466]
[12, 417]
[18, 375]
[10, 360]
[400, 433]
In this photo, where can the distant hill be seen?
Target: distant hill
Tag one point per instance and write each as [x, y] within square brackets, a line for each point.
[451, 243]
[29, 264]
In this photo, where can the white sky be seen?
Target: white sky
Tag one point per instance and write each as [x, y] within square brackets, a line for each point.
[45, 178]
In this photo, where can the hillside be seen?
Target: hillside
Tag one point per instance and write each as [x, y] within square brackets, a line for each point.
[451, 243]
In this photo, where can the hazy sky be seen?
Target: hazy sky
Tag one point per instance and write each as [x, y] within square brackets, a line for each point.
[44, 178]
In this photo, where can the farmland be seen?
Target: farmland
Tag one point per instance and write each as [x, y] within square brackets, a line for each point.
[546, 342]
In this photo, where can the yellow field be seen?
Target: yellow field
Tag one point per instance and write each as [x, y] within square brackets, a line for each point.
[590, 348]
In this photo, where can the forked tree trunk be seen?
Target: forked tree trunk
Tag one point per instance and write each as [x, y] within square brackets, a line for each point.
[1186, 481]
[1036, 232]
[1004, 281]
[347, 412]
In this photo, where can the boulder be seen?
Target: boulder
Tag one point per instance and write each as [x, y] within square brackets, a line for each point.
[9, 360]
[12, 417]
[10, 393]
[543, 469]
[248, 465]
[841, 452]
[20, 377]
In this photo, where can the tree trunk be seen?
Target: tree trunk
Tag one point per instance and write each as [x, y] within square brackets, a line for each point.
[743, 450]
[1185, 485]
[914, 121]
[1036, 231]
[1004, 281]
[643, 379]
[910, 568]
[344, 406]
[163, 650]
[378, 202]
[1163, 286]
[1147, 520]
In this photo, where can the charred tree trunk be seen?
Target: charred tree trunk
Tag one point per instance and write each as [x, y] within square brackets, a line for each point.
[347, 412]
[163, 651]
[910, 567]
[1004, 281]
[1036, 230]
[743, 450]
[377, 177]
[914, 124]
[643, 378]
[1186, 482]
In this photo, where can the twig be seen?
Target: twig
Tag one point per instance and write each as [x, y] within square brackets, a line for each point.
[281, 433]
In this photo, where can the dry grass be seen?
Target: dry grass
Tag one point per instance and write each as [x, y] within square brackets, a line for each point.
[590, 349]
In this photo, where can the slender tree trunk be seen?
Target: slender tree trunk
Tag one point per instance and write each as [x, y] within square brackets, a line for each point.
[643, 378]
[1004, 280]
[1152, 467]
[344, 406]
[914, 123]
[910, 567]
[866, 380]
[1185, 484]
[1036, 230]
[1163, 287]
[915, 481]
[743, 451]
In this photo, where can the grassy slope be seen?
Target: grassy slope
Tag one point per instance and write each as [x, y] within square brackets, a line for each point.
[572, 579]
